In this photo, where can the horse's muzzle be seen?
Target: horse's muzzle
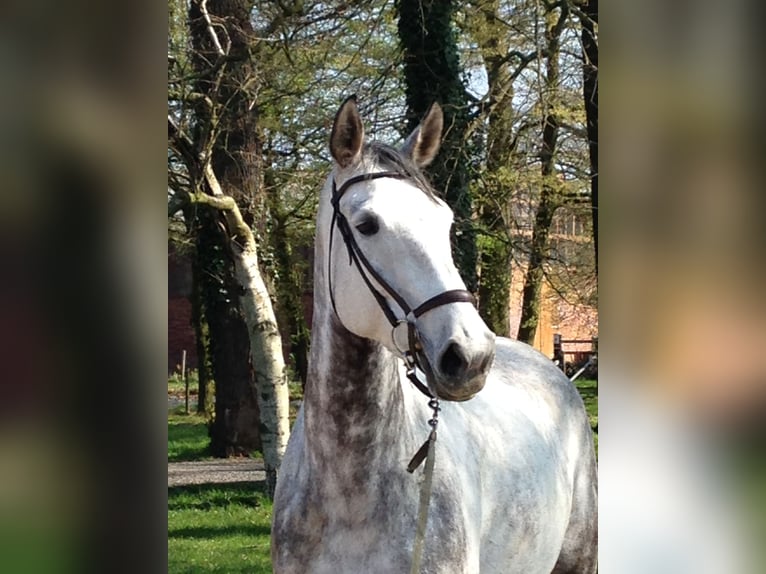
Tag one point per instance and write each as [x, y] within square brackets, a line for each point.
[461, 370]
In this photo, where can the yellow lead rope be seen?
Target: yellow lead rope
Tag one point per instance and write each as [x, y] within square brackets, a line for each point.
[425, 497]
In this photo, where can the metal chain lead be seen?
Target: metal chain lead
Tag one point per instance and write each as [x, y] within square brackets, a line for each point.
[434, 404]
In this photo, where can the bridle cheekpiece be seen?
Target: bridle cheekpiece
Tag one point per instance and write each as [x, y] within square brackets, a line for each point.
[413, 355]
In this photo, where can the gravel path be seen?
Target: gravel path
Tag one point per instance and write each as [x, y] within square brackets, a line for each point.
[215, 471]
[178, 400]
[211, 471]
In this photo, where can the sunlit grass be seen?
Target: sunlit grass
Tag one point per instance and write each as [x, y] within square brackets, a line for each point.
[187, 436]
[219, 528]
[589, 392]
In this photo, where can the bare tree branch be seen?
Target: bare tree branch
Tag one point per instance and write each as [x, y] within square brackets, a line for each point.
[213, 36]
[239, 230]
[182, 143]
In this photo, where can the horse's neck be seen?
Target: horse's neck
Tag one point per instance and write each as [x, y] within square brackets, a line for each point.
[354, 402]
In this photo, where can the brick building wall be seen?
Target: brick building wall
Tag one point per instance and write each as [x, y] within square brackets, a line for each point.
[180, 330]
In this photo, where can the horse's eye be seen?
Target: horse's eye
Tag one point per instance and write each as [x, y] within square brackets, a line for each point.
[368, 227]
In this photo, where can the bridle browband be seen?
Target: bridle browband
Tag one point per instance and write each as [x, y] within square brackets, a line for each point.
[413, 356]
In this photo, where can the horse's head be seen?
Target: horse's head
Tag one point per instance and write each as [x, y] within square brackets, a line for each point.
[391, 254]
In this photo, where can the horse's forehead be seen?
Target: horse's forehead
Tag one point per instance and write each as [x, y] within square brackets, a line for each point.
[400, 199]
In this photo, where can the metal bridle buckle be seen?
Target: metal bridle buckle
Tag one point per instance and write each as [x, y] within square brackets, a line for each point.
[405, 351]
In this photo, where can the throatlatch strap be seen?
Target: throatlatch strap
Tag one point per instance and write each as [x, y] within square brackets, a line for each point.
[413, 377]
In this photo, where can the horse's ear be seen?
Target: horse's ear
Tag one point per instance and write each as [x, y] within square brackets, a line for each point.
[423, 144]
[347, 133]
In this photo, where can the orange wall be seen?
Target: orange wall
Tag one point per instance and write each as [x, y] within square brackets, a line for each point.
[556, 316]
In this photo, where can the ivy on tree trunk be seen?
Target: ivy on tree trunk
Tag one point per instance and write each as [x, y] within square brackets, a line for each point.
[432, 73]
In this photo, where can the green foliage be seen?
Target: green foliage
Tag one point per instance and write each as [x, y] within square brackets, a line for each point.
[177, 384]
[305, 57]
[219, 528]
[495, 283]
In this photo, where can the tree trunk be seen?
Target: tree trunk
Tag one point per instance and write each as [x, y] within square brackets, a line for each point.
[590, 95]
[229, 158]
[227, 124]
[235, 428]
[290, 279]
[266, 349]
[290, 300]
[549, 196]
[432, 73]
[262, 332]
[205, 393]
[494, 259]
[533, 280]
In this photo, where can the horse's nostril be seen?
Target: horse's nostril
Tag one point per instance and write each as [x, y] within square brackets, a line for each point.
[453, 362]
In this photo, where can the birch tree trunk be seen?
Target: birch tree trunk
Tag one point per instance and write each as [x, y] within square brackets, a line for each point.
[255, 302]
[265, 342]
[226, 156]
[268, 363]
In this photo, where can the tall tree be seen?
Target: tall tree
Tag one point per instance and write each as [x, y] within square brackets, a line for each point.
[486, 27]
[432, 73]
[223, 160]
[261, 326]
[312, 54]
[550, 197]
[589, 22]
[222, 109]
[206, 388]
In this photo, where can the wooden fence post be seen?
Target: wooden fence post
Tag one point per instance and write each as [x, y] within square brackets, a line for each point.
[558, 352]
[186, 379]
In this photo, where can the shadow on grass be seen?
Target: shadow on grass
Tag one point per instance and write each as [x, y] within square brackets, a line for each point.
[207, 496]
[219, 528]
[211, 532]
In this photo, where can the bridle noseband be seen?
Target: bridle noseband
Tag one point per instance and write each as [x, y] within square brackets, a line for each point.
[413, 356]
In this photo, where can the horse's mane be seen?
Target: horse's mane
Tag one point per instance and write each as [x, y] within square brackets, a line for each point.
[392, 159]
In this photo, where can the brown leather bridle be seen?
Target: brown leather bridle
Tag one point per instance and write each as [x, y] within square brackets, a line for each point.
[413, 356]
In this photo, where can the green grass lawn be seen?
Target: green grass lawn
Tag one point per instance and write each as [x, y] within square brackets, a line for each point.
[219, 528]
[589, 393]
[187, 436]
[213, 528]
[226, 528]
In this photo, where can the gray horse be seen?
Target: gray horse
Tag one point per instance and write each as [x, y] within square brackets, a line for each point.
[514, 482]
